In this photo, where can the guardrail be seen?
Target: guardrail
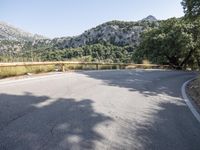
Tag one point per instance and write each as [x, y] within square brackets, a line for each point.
[97, 64]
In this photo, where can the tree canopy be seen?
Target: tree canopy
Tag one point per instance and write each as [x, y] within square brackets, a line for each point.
[191, 8]
[174, 42]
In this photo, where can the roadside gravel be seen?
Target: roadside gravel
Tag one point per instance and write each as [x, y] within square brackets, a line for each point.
[193, 89]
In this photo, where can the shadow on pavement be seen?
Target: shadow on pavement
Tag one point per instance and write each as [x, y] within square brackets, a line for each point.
[29, 122]
[168, 126]
[147, 83]
[171, 128]
[37, 122]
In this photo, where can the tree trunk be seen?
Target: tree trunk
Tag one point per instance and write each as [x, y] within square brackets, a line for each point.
[198, 62]
[173, 62]
[184, 62]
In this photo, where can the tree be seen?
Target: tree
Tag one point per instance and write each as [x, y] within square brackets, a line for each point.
[173, 42]
[191, 8]
[192, 14]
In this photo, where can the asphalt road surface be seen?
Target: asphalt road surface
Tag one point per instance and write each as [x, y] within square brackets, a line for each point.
[114, 110]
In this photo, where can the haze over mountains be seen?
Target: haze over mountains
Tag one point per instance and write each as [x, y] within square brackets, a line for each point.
[9, 32]
[118, 33]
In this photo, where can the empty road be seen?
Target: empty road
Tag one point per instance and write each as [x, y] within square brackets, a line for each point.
[114, 110]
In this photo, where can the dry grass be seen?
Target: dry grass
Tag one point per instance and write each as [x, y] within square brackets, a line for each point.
[8, 71]
[193, 90]
[146, 62]
[79, 67]
[89, 67]
[22, 70]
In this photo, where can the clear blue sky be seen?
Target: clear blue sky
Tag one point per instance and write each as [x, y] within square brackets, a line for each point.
[54, 18]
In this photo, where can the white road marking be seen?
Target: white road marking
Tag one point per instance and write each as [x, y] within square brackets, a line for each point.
[188, 102]
[7, 82]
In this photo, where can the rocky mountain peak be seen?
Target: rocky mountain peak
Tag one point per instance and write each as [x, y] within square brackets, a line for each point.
[118, 33]
[9, 32]
[150, 18]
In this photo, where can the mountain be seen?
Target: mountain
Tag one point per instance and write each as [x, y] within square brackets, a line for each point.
[115, 32]
[8, 32]
[118, 33]
[150, 18]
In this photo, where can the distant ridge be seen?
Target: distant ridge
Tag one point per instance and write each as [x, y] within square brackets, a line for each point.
[118, 33]
[150, 18]
[9, 32]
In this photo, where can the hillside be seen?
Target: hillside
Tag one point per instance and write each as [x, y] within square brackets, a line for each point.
[119, 33]
[15, 42]
[8, 32]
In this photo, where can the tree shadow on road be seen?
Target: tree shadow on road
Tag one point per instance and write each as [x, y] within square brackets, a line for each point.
[145, 82]
[39, 122]
[170, 127]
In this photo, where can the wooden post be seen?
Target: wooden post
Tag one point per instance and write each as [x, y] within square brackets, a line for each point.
[117, 67]
[97, 67]
[63, 67]
[120, 67]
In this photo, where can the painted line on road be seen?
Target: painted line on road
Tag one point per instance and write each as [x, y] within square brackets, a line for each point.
[188, 101]
[7, 82]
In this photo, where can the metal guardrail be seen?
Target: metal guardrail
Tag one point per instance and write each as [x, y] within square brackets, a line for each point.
[97, 64]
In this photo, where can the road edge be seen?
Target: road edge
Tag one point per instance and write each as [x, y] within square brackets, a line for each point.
[28, 78]
[188, 100]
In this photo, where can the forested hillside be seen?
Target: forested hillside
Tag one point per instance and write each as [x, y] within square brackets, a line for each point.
[113, 41]
[175, 42]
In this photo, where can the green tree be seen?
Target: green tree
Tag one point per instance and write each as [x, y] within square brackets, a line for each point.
[191, 8]
[173, 42]
[192, 14]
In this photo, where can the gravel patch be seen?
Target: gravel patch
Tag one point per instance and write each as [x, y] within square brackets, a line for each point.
[193, 89]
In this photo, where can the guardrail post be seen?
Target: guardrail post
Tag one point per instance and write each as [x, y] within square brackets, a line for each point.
[97, 67]
[111, 67]
[63, 67]
[120, 67]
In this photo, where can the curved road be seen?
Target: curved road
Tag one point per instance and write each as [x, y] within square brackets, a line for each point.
[119, 110]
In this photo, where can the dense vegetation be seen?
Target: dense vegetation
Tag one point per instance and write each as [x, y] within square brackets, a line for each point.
[114, 41]
[102, 52]
[191, 8]
[176, 41]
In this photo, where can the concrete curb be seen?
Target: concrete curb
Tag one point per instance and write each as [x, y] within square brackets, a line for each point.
[188, 100]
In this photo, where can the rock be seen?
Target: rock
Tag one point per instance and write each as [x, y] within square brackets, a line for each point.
[120, 33]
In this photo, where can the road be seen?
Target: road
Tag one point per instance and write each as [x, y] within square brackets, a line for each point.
[115, 110]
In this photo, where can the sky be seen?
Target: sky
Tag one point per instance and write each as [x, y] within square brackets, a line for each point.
[56, 18]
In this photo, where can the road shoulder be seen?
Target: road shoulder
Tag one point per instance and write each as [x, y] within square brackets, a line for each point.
[191, 94]
[29, 77]
[193, 90]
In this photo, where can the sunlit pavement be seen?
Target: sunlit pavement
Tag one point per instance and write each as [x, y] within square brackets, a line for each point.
[120, 109]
